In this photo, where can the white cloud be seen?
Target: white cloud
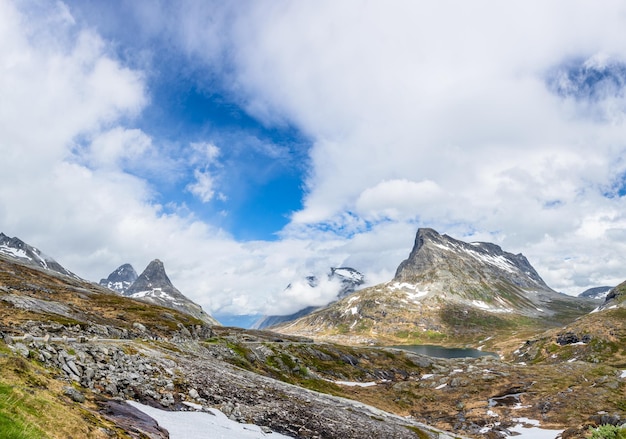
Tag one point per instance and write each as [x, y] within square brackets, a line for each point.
[421, 115]
[399, 199]
[203, 187]
[112, 147]
[204, 153]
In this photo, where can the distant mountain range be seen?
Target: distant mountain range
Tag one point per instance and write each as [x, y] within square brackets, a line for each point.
[349, 278]
[151, 286]
[445, 288]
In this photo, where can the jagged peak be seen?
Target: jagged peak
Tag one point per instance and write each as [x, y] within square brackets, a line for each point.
[432, 249]
[154, 276]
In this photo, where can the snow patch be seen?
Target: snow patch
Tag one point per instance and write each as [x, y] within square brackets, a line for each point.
[355, 384]
[214, 424]
[529, 429]
[15, 252]
[480, 304]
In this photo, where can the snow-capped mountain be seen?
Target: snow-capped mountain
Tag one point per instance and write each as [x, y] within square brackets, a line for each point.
[17, 249]
[121, 279]
[596, 293]
[349, 278]
[154, 286]
[446, 287]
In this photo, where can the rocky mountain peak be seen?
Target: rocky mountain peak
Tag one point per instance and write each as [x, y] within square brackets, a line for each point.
[442, 253]
[154, 286]
[153, 276]
[120, 279]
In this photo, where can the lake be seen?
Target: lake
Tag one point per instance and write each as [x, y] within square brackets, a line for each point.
[444, 352]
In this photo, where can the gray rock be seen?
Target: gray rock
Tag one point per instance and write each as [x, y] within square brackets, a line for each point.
[74, 368]
[28, 338]
[74, 394]
[139, 327]
[193, 393]
[21, 349]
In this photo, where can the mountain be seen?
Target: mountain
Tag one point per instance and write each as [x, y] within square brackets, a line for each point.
[445, 291]
[349, 278]
[121, 279]
[17, 249]
[597, 293]
[615, 298]
[154, 286]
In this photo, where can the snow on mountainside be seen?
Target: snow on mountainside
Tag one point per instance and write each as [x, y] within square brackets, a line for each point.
[597, 293]
[17, 249]
[349, 279]
[121, 279]
[154, 286]
[445, 287]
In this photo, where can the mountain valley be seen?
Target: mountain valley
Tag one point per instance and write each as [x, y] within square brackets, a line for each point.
[80, 349]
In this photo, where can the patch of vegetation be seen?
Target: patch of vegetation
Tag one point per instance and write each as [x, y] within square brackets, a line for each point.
[608, 432]
[14, 413]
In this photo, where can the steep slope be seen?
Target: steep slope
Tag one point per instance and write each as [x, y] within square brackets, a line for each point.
[154, 286]
[19, 250]
[447, 291]
[349, 279]
[121, 279]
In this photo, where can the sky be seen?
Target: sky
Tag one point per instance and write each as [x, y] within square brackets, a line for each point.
[249, 144]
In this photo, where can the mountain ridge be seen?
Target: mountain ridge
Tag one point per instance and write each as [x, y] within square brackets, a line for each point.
[17, 249]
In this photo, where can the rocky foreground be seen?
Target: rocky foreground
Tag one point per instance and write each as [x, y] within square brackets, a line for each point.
[166, 374]
[248, 375]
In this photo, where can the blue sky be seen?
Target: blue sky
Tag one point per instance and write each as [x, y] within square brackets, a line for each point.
[261, 166]
[250, 144]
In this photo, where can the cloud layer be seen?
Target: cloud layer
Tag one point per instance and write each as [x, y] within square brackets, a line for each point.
[478, 120]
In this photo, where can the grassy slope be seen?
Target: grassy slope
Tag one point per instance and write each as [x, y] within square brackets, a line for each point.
[33, 405]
